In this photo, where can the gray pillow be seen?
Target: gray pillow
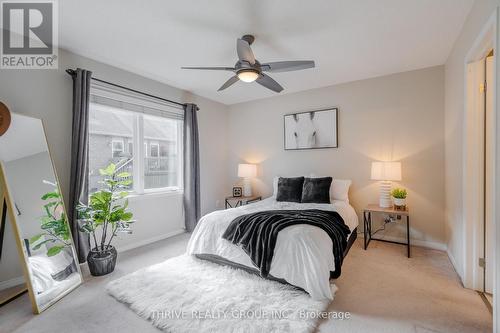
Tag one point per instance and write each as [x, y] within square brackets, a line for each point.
[316, 190]
[290, 189]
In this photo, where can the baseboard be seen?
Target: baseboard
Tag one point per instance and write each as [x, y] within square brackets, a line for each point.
[418, 242]
[12, 282]
[454, 264]
[85, 268]
[452, 259]
[151, 240]
[429, 244]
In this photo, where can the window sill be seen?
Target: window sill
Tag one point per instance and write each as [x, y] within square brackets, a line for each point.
[155, 194]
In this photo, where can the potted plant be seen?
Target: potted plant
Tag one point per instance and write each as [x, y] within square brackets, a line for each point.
[399, 197]
[107, 211]
[55, 235]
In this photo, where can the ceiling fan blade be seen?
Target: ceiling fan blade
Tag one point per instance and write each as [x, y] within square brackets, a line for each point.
[229, 83]
[211, 68]
[244, 51]
[287, 66]
[269, 83]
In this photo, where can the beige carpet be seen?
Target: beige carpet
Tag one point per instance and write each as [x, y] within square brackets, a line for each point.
[382, 289]
[387, 292]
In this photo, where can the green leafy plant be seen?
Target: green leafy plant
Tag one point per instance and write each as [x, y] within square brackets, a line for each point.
[399, 193]
[55, 233]
[107, 208]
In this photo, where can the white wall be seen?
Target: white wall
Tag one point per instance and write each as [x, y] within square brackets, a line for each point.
[47, 94]
[213, 129]
[395, 117]
[454, 115]
[158, 216]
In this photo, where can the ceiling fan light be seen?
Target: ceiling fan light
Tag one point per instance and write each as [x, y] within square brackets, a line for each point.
[248, 75]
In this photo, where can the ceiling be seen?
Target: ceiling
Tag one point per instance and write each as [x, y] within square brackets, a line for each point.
[349, 40]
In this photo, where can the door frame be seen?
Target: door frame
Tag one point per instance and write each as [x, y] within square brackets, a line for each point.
[472, 275]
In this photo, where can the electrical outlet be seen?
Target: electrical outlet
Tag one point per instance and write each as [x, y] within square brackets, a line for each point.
[389, 219]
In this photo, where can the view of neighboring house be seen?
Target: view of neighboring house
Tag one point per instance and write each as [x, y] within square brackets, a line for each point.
[111, 140]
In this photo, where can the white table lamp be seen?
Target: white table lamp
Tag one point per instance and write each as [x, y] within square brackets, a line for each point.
[247, 171]
[386, 172]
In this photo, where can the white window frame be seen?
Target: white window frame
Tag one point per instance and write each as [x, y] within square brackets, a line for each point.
[168, 189]
[140, 147]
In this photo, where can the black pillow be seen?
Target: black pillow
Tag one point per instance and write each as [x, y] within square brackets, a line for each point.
[290, 189]
[316, 190]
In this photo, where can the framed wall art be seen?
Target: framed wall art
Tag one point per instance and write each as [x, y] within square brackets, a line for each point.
[311, 129]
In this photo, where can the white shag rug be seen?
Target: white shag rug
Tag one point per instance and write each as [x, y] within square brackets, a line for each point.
[186, 294]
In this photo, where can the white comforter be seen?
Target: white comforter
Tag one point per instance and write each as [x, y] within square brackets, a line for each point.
[303, 254]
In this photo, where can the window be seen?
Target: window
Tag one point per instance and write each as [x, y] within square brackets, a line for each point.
[163, 149]
[108, 129]
[131, 132]
[161, 169]
[155, 150]
[130, 148]
[116, 148]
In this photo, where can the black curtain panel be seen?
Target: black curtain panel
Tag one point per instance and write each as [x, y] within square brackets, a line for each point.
[79, 157]
[192, 209]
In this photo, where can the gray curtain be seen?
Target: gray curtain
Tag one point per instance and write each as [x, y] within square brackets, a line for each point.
[191, 167]
[79, 157]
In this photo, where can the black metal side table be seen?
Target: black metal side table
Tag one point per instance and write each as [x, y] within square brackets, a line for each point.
[367, 228]
[233, 202]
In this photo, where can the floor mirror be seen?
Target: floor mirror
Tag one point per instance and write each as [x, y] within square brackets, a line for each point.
[35, 217]
[12, 283]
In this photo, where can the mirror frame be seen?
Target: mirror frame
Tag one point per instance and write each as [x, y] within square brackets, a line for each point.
[3, 221]
[11, 209]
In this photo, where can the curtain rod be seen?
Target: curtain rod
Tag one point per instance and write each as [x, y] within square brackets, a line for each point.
[73, 72]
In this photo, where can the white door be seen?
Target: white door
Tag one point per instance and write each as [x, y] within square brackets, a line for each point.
[474, 172]
[489, 180]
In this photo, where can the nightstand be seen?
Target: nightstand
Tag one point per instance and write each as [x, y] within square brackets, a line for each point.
[367, 228]
[233, 202]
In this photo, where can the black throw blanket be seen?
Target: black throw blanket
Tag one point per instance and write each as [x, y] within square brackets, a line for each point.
[257, 233]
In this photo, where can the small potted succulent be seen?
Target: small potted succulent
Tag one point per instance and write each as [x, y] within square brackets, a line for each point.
[107, 211]
[399, 197]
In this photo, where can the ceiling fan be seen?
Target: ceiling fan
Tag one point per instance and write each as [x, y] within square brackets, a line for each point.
[248, 69]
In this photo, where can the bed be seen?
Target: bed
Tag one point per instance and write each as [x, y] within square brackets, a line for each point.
[302, 256]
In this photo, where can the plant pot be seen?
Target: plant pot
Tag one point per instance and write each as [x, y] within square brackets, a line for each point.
[102, 262]
[399, 202]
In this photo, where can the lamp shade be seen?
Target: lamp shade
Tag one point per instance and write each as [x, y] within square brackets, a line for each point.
[386, 170]
[248, 75]
[247, 170]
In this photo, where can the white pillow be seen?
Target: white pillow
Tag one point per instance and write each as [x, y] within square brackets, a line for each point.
[275, 186]
[339, 190]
